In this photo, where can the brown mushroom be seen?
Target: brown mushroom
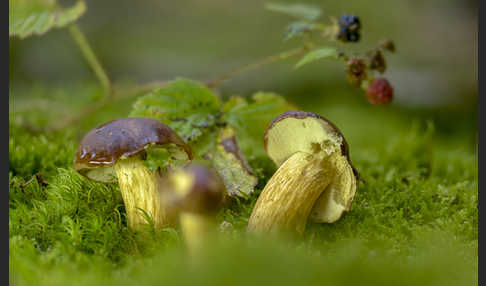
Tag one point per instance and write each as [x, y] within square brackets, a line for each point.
[315, 177]
[198, 193]
[115, 151]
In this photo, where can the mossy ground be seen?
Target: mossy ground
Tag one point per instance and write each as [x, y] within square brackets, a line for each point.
[413, 221]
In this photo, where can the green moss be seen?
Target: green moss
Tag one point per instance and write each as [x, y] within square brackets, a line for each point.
[43, 154]
[413, 221]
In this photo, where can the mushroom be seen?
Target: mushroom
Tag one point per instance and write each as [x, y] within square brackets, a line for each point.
[315, 178]
[198, 193]
[116, 150]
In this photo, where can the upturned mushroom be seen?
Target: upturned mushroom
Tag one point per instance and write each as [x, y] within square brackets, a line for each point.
[315, 179]
[198, 193]
[115, 151]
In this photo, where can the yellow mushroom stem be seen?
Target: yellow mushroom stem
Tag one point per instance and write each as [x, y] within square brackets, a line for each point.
[139, 189]
[196, 228]
[289, 196]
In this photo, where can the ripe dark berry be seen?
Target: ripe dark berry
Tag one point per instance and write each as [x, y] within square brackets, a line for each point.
[379, 91]
[356, 71]
[377, 61]
[349, 26]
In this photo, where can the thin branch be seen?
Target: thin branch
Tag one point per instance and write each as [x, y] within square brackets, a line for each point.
[268, 60]
[88, 110]
[91, 58]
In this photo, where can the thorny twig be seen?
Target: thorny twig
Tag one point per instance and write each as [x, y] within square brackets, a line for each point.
[256, 65]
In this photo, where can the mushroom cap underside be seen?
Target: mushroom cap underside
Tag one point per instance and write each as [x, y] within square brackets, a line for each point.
[298, 131]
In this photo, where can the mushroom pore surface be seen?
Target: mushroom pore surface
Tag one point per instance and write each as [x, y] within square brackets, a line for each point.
[301, 132]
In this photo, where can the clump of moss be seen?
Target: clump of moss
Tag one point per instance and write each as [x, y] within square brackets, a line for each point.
[79, 216]
[30, 154]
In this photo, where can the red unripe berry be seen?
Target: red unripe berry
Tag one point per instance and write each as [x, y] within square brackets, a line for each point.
[379, 91]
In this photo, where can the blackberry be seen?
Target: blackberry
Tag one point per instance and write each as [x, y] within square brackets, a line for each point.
[379, 91]
[349, 26]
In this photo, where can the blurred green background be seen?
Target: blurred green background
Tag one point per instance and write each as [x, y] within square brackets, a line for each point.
[435, 64]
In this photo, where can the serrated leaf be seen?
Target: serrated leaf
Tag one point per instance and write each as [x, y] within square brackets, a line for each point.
[250, 119]
[28, 17]
[317, 55]
[188, 107]
[299, 11]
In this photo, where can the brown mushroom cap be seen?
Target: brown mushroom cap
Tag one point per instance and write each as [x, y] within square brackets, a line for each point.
[197, 189]
[103, 146]
[305, 132]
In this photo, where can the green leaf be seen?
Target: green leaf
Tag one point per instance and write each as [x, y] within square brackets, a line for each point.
[298, 28]
[28, 17]
[250, 119]
[188, 107]
[317, 55]
[165, 158]
[191, 109]
[299, 11]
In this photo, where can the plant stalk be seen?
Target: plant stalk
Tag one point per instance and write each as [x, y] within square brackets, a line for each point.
[268, 60]
[91, 58]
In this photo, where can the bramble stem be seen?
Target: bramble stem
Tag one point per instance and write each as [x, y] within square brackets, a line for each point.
[96, 66]
[256, 65]
[91, 58]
